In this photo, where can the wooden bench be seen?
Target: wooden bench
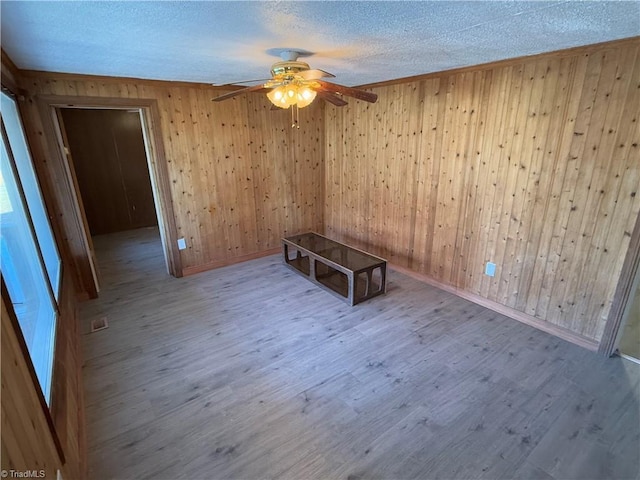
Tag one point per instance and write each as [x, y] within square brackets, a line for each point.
[349, 273]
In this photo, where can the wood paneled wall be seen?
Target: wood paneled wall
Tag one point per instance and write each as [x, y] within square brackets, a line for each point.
[240, 176]
[26, 440]
[26, 434]
[533, 165]
[67, 405]
[28, 443]
[9, 73]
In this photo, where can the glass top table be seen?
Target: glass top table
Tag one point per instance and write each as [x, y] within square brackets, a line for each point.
[352, 274]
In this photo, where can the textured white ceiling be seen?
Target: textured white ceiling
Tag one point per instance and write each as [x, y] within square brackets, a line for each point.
[360, 42]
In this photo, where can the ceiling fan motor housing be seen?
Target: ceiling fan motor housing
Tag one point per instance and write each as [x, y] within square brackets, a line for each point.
[288, 68]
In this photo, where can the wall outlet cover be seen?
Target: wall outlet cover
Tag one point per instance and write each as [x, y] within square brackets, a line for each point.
[490, 269]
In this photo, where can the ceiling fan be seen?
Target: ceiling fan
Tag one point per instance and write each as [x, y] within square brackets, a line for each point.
[294, 84]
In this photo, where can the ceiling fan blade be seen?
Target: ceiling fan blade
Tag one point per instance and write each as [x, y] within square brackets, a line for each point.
[314, 74]
[331, 98]
[240, 83]
[226, 96]
[348, 91]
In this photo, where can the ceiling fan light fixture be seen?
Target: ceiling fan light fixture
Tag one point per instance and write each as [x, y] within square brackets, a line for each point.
[286, 96]
[293, 83]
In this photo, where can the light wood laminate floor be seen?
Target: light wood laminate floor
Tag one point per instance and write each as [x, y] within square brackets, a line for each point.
[250, 371]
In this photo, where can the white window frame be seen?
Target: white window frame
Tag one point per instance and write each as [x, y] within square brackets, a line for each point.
[40, 337]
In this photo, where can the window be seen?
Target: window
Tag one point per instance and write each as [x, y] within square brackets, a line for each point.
[29, 257]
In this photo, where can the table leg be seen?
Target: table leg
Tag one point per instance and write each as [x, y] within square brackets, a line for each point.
[351, 288]
[312, 268]
[383, 278]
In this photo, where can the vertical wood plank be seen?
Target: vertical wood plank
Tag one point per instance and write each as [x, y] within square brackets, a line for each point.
[534, 180]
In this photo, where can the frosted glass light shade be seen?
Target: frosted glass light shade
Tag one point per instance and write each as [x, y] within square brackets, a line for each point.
[285, 96]
[305, 97]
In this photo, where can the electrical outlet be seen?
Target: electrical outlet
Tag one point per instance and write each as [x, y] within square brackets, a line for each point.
[182, 244]
[490, 269]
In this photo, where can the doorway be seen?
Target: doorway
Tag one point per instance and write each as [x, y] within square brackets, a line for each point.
[110, 164]
[75, 223]
[107, 157]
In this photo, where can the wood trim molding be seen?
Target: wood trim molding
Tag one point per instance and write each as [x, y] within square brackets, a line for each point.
[163, 184]
[79, 101]
[584, 49]
[230, 261]
[84, 271]
[74, 77]
[160, 173]
[10, 74]
[624, 293]
[503, 309]
[32, 372]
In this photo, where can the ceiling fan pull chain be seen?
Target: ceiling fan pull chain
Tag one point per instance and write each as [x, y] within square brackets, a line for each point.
[294, 116]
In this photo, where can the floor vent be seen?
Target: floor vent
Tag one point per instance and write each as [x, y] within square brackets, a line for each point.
[99, 324]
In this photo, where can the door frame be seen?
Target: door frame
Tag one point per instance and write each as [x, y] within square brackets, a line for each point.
[49, 106]
[623, 295]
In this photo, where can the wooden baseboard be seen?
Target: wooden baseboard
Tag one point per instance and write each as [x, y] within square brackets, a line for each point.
[229, 261]
[503, 309]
